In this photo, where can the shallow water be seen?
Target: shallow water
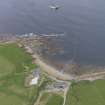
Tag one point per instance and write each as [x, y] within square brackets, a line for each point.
[82, 22]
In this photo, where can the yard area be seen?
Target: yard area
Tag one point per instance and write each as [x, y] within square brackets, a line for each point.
[15, 64]
[87, 93]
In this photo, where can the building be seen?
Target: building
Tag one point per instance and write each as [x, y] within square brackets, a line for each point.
[36, 77]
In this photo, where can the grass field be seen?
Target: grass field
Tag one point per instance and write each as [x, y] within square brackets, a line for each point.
[14, 66]
[87, 93]
[51, 99]
[55, 100]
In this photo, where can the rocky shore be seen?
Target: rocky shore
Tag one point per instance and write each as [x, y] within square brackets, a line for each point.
[34, 45]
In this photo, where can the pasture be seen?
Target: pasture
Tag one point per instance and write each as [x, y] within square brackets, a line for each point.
[15, 64]
[87, 93]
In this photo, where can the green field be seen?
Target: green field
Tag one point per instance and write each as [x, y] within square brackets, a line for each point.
[15, 64]
[87, 93]
[55, 100]
[51, 99]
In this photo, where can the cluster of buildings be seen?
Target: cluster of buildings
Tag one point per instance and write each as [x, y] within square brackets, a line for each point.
[60, 86]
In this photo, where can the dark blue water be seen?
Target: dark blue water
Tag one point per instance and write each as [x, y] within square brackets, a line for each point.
[82, 21]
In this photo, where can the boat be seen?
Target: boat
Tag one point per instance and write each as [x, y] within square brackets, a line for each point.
[56, 7]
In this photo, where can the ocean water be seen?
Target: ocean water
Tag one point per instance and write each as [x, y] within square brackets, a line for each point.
[81, 21]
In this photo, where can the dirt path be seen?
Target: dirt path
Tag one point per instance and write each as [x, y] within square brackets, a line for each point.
[65, 93]
[92, 76]
[52, 71]
[62, 76]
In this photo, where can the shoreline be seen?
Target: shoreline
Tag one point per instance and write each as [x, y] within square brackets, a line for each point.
[51, 70]
[66, 77]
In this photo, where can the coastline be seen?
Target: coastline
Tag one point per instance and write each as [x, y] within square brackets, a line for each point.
[64, 76]
[26, 43]
[51, 70]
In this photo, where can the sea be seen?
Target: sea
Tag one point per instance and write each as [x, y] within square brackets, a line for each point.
[82, 23]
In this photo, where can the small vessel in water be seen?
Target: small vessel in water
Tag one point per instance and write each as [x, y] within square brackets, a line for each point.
[55, 7]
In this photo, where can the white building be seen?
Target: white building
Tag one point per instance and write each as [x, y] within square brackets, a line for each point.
[36, 77]
[34, 81]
